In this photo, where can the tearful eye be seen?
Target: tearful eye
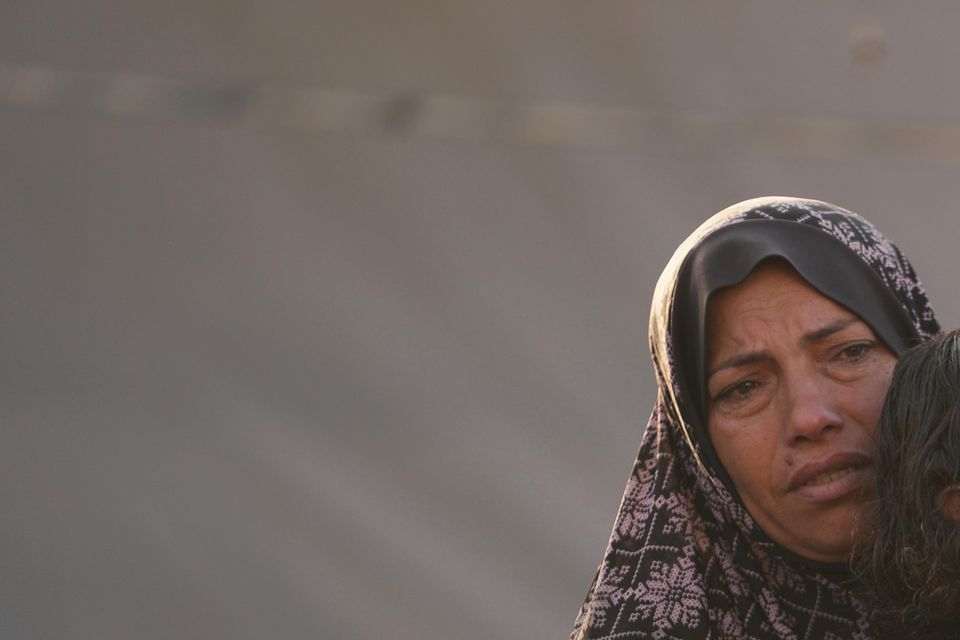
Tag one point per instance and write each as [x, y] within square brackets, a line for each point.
[856, 351]
[738, 392]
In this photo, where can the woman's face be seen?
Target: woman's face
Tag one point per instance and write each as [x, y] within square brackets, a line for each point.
[795, 385]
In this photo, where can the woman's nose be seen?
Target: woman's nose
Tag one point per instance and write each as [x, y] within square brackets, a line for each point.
[812, 409]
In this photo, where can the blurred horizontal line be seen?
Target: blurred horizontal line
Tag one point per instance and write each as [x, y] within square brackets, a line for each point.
[457, 118]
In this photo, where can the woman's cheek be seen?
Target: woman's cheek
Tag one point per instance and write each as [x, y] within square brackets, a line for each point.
[876, 391]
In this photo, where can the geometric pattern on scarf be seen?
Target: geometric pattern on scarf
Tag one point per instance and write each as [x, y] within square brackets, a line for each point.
[685, 558]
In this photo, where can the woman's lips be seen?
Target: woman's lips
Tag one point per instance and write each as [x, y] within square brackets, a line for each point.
[832, 478]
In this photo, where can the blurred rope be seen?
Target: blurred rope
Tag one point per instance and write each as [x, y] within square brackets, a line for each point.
[458, 118]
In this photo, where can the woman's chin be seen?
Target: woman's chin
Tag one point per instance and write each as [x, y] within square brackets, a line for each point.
[823, 532]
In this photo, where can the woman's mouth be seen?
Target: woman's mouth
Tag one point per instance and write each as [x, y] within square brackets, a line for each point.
[832, 478]
[829, 476]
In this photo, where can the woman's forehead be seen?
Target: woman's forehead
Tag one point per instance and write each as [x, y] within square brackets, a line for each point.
[774, 297]
[773, 284]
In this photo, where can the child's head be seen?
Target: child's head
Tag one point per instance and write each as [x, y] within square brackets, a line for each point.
[909, 550]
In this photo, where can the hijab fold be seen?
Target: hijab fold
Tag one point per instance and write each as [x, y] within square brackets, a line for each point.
[685, 558]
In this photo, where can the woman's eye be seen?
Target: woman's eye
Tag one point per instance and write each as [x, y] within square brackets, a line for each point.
[738, 392]
[855, 352]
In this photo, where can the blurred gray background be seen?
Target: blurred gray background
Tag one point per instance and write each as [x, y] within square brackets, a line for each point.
[328, 319]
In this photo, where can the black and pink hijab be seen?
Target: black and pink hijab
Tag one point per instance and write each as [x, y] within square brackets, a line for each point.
[686, 559]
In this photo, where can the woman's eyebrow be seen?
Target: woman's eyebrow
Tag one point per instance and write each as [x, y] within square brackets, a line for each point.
[739, 361]
[816, 335]
[828, 330]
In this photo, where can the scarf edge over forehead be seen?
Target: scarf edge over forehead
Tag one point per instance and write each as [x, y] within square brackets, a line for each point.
[685, 558]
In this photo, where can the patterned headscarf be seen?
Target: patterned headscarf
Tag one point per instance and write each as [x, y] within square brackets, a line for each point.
[686, 559]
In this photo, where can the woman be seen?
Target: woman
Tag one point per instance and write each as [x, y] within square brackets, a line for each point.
[774, 330]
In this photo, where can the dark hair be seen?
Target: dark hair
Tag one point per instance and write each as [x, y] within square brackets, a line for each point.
[907, 552]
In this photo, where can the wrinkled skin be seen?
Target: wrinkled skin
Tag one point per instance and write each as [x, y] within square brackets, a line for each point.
[795, 385]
